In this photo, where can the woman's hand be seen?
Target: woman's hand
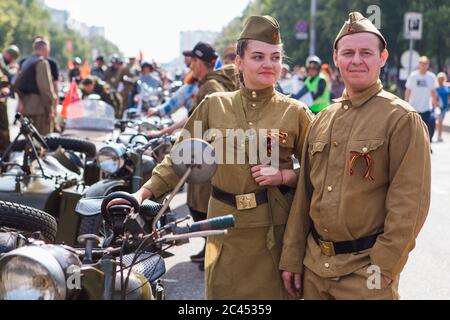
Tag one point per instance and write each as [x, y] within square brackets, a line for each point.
[140, 196]
[266, 175]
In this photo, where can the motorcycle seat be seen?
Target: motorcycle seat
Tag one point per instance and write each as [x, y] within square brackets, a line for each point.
[151, 265]
[91, 206]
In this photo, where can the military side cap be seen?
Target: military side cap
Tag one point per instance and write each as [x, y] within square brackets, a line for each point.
[357, 23]
[261, 28]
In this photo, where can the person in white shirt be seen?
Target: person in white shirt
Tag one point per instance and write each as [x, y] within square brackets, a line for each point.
[421, 93]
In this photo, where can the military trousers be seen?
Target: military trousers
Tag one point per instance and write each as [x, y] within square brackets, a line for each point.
[359, 285]
[42, 124]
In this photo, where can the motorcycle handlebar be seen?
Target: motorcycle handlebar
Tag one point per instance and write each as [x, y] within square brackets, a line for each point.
[219, 223]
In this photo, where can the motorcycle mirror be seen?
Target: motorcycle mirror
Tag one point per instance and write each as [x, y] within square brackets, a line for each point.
[196, 154]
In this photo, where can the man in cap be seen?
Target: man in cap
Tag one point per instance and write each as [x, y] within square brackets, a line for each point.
[364, 187]
[99, 68]
[8, 69]
[75, 72]
[35, 87]
[128, 76]
[421, 93]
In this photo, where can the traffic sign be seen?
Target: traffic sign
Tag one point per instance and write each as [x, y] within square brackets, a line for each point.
[413, 26]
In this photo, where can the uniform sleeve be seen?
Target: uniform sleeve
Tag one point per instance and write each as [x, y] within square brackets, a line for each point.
[45, 85]
[305, 118]
[408, 196]
[205, 89]
[164, 179]
[299, 222]
[180, 98]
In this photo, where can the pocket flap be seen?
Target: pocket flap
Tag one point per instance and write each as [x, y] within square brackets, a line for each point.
[316, 147]
[365, 146]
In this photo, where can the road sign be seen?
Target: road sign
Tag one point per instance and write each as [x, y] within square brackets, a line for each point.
[413, 26]
[302, 30]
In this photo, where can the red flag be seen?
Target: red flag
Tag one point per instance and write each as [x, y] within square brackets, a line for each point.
[85, 70]
[141, 56]
[71, 97]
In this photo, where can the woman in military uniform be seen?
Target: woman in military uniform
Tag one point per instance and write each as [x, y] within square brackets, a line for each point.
[244, 263]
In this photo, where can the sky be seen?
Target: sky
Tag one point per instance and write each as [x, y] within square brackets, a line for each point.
[152, 26]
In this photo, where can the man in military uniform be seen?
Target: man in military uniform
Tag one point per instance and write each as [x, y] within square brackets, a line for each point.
[127, 77]
[364, 187]
[8, 69]
[93, 85]
[35, 87]
[4, 123]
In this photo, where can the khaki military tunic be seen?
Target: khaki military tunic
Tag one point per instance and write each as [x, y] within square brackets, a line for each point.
[38, 107]
[366, 170]
[244, 263]
[4, 122]
[222, 80]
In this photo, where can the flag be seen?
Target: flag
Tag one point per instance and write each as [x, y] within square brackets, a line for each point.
[71, 97]
[141, 56]
[85, 70]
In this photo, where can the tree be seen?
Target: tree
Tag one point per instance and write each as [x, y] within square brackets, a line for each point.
[21, 20]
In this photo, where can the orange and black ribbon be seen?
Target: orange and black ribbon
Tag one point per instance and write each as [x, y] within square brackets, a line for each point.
[281, 136]
[369, 163]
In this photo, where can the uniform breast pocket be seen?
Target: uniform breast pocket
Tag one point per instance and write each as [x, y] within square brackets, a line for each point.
[366, 157]
[229, 145]
[317, 157]
[286, 147]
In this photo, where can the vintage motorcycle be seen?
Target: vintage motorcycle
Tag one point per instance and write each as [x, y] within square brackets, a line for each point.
[45, 173]
[124, 266]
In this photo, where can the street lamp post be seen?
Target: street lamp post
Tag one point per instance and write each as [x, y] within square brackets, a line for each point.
[312, 39]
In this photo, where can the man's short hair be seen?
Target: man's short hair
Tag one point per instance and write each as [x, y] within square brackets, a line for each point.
[40, 42]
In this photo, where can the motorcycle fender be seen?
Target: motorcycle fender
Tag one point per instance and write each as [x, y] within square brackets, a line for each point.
[104, 187]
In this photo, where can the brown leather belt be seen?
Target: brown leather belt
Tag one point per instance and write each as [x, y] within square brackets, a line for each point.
[244, 201]
[330, 248]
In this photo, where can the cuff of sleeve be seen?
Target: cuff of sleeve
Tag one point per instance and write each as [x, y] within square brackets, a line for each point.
[291, 260]
[389, 263]
[157, 186]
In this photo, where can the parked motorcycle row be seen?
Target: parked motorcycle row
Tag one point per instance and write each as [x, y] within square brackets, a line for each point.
[59, 239]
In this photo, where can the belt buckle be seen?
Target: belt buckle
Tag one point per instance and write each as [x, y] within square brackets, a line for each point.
[245, 201]
[327, 248]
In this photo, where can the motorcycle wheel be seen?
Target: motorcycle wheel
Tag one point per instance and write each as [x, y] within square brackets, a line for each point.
[27, 220]
[68, 143]
[71, 143]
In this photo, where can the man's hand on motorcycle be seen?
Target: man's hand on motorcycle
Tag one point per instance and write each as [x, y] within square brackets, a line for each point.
[154, 134]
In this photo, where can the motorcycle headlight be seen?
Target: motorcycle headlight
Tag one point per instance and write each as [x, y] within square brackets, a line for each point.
[31, 273]
[111, 158]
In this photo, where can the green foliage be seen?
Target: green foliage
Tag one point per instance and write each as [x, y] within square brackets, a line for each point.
[21, 20]
[331, 14]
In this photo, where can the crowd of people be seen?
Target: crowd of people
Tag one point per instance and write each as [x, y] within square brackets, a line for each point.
[313, 231]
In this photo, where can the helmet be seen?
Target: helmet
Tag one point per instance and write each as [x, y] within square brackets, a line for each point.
[146, 64]
[14, 51]
[77, 60]
[313, 59]
[114, 58]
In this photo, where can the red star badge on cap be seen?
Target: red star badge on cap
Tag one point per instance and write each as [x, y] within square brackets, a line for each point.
[275, 36]
[351, 29]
